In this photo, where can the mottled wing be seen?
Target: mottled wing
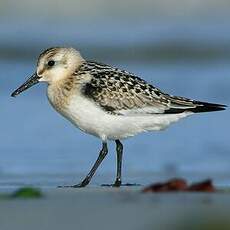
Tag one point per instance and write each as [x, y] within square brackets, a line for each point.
[122, 93]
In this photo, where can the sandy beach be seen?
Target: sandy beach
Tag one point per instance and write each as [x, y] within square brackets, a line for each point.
[111, 208]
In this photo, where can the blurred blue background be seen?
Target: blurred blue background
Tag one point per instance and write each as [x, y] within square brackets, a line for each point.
[183, 47]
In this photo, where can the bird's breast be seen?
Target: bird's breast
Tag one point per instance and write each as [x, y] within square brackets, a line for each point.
[81, 111]
[57, 98]
[85, 114]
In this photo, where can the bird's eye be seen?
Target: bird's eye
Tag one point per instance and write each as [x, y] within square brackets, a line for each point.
[51, 63]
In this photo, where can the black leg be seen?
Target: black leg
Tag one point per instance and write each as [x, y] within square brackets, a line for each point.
[100, 158]
[119, 148]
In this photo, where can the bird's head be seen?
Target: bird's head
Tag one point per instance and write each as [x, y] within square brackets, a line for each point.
[53, 65]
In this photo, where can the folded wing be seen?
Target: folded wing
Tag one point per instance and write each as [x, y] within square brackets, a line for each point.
[122, 93]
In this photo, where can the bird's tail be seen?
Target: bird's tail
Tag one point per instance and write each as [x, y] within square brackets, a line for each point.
[181, 104]
[202, 107]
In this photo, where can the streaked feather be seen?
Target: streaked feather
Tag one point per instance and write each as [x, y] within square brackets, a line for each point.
[123, 93]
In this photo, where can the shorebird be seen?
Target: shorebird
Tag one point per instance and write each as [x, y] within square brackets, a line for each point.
[107, 102]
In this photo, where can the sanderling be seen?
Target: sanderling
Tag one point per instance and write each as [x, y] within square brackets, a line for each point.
[107, 102]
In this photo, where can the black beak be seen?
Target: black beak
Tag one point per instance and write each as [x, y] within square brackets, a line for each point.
[34, 79]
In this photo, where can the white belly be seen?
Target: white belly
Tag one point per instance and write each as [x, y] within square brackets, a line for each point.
[90, 118]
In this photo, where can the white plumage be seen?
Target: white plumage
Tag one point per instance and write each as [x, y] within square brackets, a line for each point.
[90, 118]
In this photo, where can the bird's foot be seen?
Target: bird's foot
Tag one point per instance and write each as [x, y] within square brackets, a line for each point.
[117, 183]
[80, 185]
[121, 185]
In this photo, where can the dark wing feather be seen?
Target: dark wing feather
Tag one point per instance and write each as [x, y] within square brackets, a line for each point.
[120, 92]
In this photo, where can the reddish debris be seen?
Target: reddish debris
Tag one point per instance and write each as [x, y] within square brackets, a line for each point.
[180, 185]
[204, 186]
[171, 185]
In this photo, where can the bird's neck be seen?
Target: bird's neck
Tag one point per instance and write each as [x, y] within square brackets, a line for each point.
[59, 92]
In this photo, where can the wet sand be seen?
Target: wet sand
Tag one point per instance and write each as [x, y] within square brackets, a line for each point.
[112, 208]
